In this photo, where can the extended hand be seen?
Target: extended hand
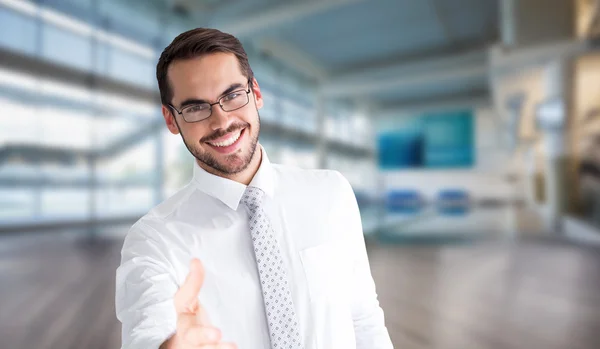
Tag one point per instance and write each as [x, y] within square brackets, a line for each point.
[194, 330]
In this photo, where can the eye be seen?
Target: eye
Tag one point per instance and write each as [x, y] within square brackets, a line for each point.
[197, 108]
[231, 96]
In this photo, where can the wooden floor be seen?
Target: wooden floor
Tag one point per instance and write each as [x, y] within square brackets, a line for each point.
[490, 296]
[56, 292]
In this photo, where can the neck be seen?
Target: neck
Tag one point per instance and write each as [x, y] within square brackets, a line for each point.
[245, 176]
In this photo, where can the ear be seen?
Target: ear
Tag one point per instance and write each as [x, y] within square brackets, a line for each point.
[257, 94]
[169, 116]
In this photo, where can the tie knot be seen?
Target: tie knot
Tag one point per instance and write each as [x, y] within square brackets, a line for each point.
[253, 196]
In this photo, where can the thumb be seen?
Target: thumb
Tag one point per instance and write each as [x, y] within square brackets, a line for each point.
[186, 298]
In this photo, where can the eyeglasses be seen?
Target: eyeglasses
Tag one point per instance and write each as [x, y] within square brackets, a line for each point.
[230, 102]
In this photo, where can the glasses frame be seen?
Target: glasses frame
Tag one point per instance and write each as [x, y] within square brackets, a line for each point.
[247, 90]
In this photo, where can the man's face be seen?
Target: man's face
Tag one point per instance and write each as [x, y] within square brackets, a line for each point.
[225, 142]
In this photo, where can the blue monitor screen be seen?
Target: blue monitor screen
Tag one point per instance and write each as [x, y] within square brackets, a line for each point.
[437, 140]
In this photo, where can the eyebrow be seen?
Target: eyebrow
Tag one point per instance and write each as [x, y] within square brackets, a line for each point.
[191, 101]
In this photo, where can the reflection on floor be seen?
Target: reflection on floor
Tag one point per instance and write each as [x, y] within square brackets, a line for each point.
[490, 296]
[56, 292]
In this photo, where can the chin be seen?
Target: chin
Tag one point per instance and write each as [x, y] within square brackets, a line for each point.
[234, 163]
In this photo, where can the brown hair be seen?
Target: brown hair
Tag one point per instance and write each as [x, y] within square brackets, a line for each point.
[195, 43]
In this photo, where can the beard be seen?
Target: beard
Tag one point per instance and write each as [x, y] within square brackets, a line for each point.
[229, 164]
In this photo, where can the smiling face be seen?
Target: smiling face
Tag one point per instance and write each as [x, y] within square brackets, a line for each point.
[225, 143]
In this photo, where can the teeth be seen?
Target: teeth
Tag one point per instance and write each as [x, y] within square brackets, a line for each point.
[229, 141]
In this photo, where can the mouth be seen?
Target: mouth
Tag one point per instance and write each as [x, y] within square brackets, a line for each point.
[230, 143]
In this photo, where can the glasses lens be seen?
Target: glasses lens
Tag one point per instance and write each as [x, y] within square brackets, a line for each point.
[196, 112]
[234, 100]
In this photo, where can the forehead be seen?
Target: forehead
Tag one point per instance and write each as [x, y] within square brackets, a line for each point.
[204, 77]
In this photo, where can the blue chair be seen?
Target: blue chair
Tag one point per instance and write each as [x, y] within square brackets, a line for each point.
[404, 201]
[453, 202]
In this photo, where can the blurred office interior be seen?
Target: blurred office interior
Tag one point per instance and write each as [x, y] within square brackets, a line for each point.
[469, 130]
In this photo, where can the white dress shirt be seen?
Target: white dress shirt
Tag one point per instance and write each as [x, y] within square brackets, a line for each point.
[317, 223]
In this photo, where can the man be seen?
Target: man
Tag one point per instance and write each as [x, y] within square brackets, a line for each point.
[249, 254]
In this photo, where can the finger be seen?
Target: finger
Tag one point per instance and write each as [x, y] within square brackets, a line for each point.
[186, 298]
[199, 335]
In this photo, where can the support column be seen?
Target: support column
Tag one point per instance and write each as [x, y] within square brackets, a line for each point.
[321, 131]
[558, 84]
[507, 22]
[92, 163]
[159, 168]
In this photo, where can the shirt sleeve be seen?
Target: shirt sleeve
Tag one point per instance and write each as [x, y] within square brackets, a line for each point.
[145, 286]
[368, 317]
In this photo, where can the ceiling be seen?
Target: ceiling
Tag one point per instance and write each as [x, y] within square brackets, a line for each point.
[364, 33]
[401, 45]
[388, 52]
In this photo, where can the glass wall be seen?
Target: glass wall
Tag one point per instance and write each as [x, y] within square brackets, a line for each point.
[71, 148]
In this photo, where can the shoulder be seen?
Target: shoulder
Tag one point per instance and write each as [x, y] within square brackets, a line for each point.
[315, 179]
[149, 226]
[316, 175]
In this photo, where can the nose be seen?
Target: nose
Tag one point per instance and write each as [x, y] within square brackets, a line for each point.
[218, 119]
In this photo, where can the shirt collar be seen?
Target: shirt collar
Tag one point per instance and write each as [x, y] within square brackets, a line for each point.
[229, 191]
